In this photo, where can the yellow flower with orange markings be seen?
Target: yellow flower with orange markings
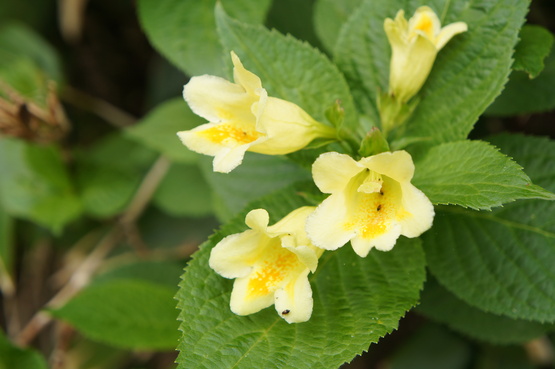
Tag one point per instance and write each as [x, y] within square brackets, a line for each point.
[414, 46]
[270, 265]
[244, 118]
[372, 202]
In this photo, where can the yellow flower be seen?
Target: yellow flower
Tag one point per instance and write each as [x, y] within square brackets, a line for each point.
[244, 118]
[270, 264]
[372, 202]
[414, 46]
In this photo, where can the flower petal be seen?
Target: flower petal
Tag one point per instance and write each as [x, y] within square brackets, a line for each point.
[448, 32]
[258, 219]
[217, 100]
[419, 210]
[332, 171]
[397, 165]
[294, 301]
[383, 242]
[248, 80]
[243, 302]
[326, 226]
[230, 256]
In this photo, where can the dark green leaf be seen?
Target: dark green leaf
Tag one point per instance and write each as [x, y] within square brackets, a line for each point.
[473, 174]
[329, 16]
[13, 357]
[502, 261]
[185, 31]
[125, 313]
[534, 45]
[440, 305]
[184, 191]
[35, 184]
[356, 301]
[522, 95]
[165, 273]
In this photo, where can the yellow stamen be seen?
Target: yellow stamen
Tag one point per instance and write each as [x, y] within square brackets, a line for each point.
[268, 276]
[228, 133]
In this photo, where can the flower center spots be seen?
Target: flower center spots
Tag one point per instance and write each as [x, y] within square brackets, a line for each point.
[374, 206]
[228, 134]
[271, 273]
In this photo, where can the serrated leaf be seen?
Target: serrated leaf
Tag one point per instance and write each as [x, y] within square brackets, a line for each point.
[185, 31]
[356, 301]
[258, 175]
[158, 130]
[124, 313]
[12, 357]
[329, 16]
[290, 70]
[184, 191]
[473, 174]
[440, 305]
[35, 184]
[523, 95]
[469, 72]
[502, 262]
[533, 47]
[432, 347]
[107, 185]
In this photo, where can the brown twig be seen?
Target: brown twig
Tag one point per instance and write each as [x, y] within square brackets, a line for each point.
[82, 275]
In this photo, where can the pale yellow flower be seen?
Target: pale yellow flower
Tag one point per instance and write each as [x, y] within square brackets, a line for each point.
[270, 264]
[372, 202]
[414, 46]
[244, 118]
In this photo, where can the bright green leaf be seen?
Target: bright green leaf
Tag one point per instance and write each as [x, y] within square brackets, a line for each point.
[502, 261]
[356, 301]
[158, 130]
[13, 357]
[473, 174]
[290, 70]
[184, 191]
[432, 347]
[329, 16]
[440, 305]
[523, 95]
[125, 313]
[469, 72]
[35, 184]
[258, 175]
[106, 185]
[184, 31]
[534, 45]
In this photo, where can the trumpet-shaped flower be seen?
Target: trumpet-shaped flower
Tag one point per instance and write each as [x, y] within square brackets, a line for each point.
[414, 46]
[372, 202]
[244, 118]
[270, 265]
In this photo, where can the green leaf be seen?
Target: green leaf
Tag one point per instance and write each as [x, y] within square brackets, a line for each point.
[469, 72]
[35, 184]
[12, 357]
[473, 174]
[18, 41]
[502, 261]
[185, 31]
[124, 313]
[165, 273]
[356, 301]
[432, 347]
[6, 242]
[290, 70]
[440, 305]
[184, 191]
[106, 185]
[523, 96]
[158, 130]
[533, 47]
[258, 175]
[329, 16]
